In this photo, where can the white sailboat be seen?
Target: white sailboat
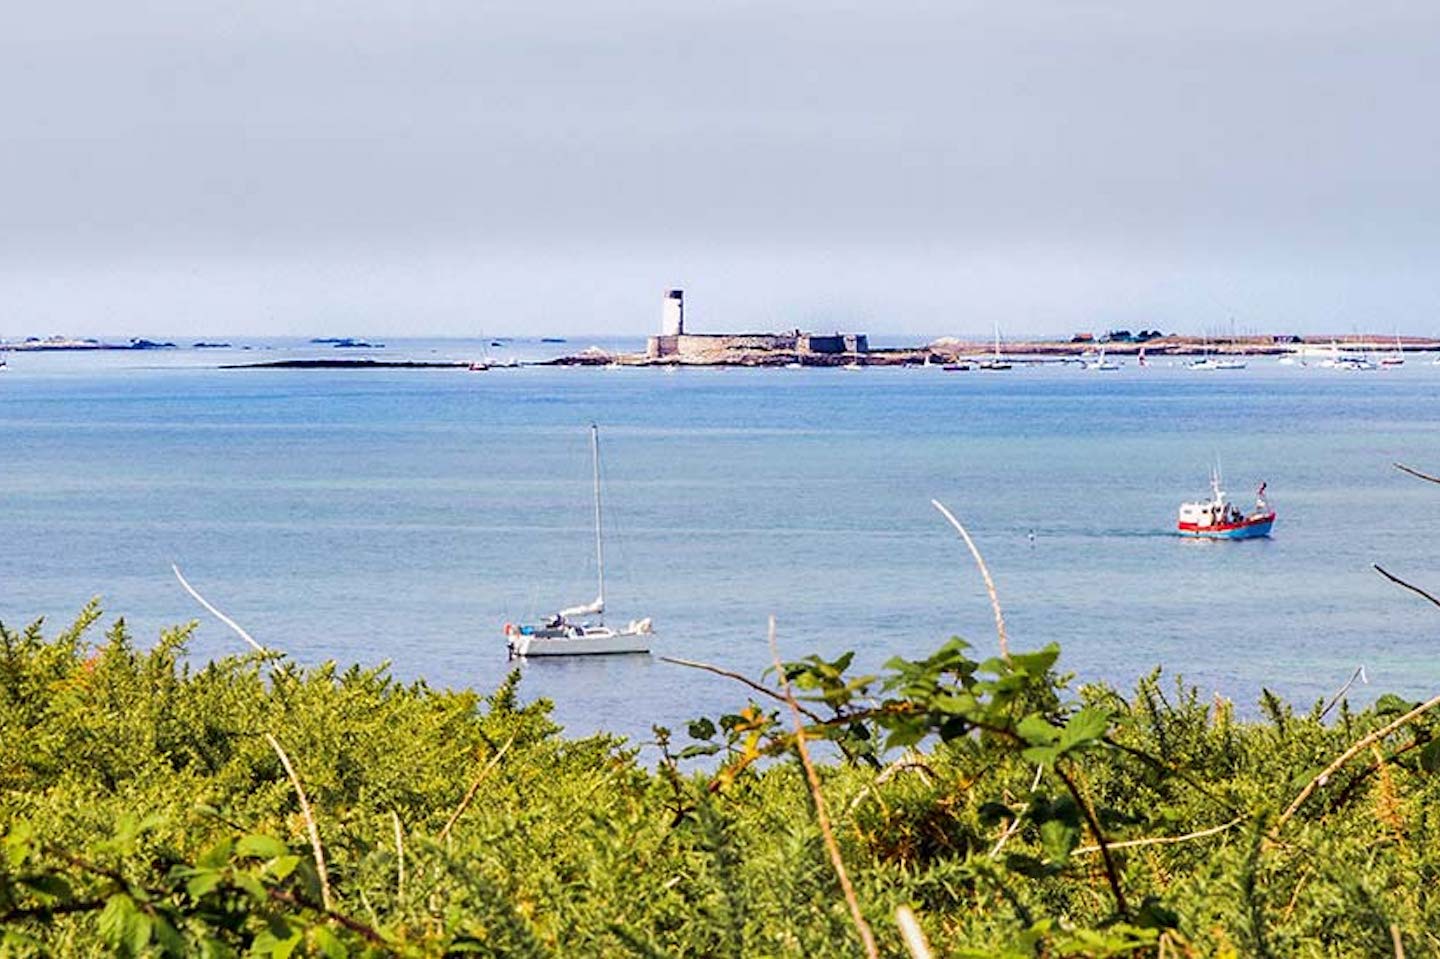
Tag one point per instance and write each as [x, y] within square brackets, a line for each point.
[567, 633]
[1397, 358]
[1099, 363]
[997, 362]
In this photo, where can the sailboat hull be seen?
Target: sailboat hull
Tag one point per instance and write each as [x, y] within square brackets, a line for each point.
[590, 641]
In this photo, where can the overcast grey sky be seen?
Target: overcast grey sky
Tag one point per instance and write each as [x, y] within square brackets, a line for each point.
[932, 166]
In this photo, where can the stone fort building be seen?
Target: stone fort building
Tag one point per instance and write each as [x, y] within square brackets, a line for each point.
[675, 343]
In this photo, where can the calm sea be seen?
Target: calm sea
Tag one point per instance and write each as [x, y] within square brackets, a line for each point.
[405, 516]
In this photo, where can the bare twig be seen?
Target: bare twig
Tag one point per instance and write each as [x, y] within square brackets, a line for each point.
[1162, 840]
[1358, 674]
[739, 678]
[984, 572]
[1400, 582]
[474, 788]
[911, 933]
[309, 821]
[1019, 813]
[867, 938]
[399, 855]
[905, 763]
[1396, 942]
[217, 614]
[1346, 756]
[1416, 473]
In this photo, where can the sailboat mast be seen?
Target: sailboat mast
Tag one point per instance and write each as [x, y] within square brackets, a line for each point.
[599, 541]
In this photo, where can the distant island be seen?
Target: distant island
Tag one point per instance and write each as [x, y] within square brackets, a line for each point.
[346, 343]
[347, 365]
[35, 344]
[798, 348]
[202, 345]
[675, 345]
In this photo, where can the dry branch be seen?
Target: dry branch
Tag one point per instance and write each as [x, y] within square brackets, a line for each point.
[399, 855]
[984, 572]
[309, 819]
[474, 788]
[1345, 757]
[1162, 840]
[740, 678]
[1416, 473]
[216, 613]
[1358, 674]
[1400, 582]
[867, 938]
[911, 933]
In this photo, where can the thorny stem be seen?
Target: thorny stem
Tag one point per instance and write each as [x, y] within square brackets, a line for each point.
[1111, 873]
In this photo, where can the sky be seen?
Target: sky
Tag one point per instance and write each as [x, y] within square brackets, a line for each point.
[465, 167]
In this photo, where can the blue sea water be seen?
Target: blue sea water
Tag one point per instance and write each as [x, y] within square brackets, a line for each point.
[404, 516]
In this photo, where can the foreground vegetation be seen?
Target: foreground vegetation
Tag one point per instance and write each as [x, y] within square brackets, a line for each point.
[254, 806]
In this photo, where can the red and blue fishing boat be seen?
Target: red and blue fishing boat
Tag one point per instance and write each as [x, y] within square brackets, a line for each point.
[1219, 519]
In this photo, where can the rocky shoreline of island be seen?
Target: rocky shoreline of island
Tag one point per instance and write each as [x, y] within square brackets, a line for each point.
[741, 351]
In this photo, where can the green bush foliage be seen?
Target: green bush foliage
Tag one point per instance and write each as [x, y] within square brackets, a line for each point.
[145, 811]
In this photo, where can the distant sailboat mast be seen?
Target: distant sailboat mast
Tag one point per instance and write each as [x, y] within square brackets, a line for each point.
[599, 539]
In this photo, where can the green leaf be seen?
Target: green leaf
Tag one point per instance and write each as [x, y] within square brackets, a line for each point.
[1058, 838]
[1040, 755]
[1390, 703]
[1036, 663]
[217, 855]
[689, 752]
[992, 813]
[170, 940]
[1036, 729]
[259, 846]
[701, 729]
[202, 884]
[114, 920]
[1084, 728]
[282, 866]
[1154, 915]
[1030, 867]
[1430, 756]
[19, 842]
[47, 885]
[905, 734]
[137, 934]
[252, 886]
[327, 943]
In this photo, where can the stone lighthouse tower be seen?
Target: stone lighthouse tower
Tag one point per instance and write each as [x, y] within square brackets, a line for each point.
[672, 314]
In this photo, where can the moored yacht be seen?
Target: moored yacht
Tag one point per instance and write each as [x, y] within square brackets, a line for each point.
[568, 632]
